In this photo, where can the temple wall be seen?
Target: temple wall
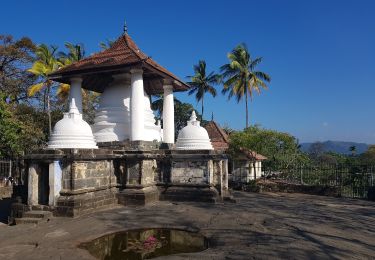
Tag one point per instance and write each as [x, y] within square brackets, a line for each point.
[87, 186]
[83, 175]
[190, 172]
[83, 181]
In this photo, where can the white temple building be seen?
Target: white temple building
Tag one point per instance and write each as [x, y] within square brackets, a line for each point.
[125, 157]
[113, 122]
[126, 78]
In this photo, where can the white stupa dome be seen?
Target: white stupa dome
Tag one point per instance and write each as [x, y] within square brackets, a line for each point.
[193, 136]
[72, 131]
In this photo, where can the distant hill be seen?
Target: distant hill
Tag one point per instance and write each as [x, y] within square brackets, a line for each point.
[337, 147]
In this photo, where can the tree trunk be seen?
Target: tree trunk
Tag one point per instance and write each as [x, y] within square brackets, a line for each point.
[247, 111]
[45, 100]
[49, 111]
[202, 108]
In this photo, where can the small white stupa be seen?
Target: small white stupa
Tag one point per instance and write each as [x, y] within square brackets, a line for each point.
[193, 136]
[72, 131]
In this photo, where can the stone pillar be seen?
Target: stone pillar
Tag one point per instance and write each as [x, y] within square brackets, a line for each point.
[168, 114]
[33, 185]
[76, 92]
[224, 178]
[137, 121]
[55, 180]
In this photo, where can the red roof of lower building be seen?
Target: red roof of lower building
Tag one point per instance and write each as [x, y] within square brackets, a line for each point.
[219, 139]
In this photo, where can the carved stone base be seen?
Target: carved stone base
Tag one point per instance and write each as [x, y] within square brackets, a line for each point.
[138, 197]
[197, 193]
[73, 205]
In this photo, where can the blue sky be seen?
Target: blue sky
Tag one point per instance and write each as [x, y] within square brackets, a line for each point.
[320, 54]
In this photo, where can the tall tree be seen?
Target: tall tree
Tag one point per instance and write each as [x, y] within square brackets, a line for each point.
[107, 44]
[157, 105]
[182, 113]
[240, 77]
[281, 149]
[353, 150]
[90, 99]
[203, 82]
[45, 64]
[19, 131]
[15, 56]
[75, 53]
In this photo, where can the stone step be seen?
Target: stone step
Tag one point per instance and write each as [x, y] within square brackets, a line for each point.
[40, 207]
[41, 214]
[19, 221]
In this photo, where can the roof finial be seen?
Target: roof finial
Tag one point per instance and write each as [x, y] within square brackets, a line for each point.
[212, 116]
[125, 28]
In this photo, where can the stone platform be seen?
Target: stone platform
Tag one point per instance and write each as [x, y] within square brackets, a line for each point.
[259, 226]
[73, 182]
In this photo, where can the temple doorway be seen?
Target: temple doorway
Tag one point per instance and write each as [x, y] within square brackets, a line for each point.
[43, 184]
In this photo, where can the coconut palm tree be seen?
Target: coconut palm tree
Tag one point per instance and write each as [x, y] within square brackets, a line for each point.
[107, 44]
[45, 64]
[240, 77]
[202, 82]
[76, 52]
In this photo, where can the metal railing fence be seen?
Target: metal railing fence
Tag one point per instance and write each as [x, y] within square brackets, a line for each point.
[352, 181]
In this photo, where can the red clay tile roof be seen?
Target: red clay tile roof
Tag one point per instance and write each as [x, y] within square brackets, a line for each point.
[218, 137]
[252, 154]
[123, 55]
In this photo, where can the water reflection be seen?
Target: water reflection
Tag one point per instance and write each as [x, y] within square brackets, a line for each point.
[145, 244]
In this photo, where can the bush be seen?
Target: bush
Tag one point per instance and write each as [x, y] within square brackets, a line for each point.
[251, 186]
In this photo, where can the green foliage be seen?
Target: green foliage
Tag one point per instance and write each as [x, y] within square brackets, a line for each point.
[76, 52]
[107, 44]
[202, 83]
[331, 158]
[15, 56]
[240, 77]
[18, 132]
[90, 99]
[279, 148]
[9, 132]
[35, 126]
[353, 150]
[368, 157]
[251, 186]
[182, 113]
[157, 105]
[319, 156]
[45, 64]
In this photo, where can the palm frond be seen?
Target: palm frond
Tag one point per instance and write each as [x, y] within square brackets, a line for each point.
[254, 63]
[35, 88]
[262, 75]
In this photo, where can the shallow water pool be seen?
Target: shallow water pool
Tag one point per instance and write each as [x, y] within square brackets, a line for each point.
[145, 244]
